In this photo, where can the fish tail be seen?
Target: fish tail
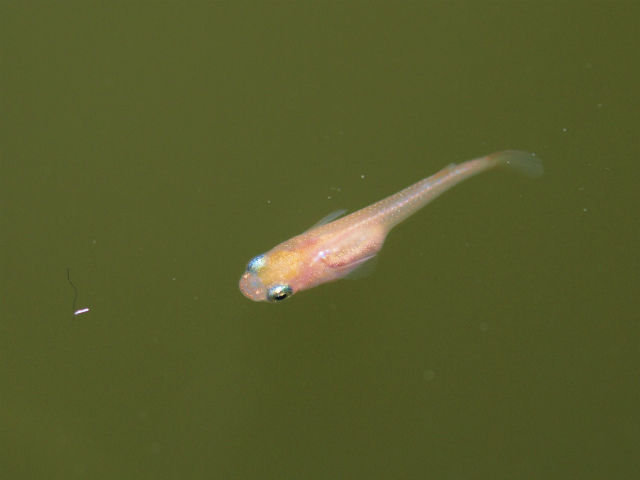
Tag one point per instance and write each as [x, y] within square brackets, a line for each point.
[525, 163]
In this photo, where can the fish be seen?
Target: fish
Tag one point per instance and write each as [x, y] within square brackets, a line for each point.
[340, 246]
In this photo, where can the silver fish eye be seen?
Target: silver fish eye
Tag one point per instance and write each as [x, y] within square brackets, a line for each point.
[255, 264]
[279, 292]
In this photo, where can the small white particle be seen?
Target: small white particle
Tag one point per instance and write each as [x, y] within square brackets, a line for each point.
[81, 311]
[362, 176]
[564, 130]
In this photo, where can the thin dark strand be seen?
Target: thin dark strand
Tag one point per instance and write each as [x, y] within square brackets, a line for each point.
[75, 290]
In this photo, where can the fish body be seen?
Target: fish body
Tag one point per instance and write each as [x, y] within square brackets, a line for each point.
[330, 251]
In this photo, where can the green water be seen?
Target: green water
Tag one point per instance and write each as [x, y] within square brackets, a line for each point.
[153, 150]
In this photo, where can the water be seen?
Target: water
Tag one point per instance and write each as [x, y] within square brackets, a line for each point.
[154, 152]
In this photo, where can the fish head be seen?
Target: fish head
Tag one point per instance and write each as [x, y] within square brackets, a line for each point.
[270, 277]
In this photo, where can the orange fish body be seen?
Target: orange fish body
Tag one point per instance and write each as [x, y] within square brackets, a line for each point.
[332, 250]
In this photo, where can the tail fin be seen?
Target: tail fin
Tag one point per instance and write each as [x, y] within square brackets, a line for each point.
[522, 162]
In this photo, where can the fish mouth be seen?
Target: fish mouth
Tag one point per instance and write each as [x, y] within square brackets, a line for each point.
[252, 287]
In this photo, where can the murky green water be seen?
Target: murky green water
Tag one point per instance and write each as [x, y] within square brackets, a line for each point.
[153, 150]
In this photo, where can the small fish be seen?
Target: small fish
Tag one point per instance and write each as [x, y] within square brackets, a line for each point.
[335, 248]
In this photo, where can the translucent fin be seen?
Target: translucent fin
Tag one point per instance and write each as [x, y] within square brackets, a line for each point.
[328, 218]
[522, 162]
[364, 268]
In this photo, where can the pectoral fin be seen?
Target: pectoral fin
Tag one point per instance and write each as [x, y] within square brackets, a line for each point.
[351, 251]
[328, 218]
[363, 268]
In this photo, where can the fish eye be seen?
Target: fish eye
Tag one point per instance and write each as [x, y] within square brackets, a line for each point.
[279, 292]
[255, 264]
